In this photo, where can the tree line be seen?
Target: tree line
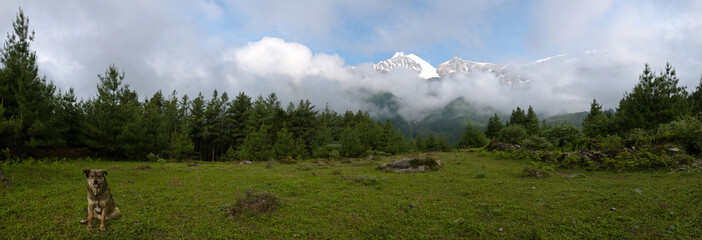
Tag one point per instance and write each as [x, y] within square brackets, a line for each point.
[36, 119]
[657, 117]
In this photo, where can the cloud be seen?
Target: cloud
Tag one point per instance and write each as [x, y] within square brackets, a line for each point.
[290, 48]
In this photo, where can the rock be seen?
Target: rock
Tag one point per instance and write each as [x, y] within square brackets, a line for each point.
[613, 209]
[671, 227]
[499, 230]
[245, 163]
[638, 191]
[674, 149]
[408, 165]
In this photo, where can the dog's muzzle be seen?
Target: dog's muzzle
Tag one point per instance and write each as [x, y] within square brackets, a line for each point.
[95, 184]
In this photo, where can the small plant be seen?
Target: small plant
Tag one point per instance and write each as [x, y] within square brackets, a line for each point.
[151, 157]
[537, 170]
[480, 176]
[253, 203]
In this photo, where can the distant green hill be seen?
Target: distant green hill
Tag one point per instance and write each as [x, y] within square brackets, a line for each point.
[451, 120]
[573, 118]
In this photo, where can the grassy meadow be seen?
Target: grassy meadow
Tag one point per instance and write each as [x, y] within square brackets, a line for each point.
[473, 196]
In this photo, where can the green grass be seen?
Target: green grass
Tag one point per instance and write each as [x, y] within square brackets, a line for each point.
[470, 197]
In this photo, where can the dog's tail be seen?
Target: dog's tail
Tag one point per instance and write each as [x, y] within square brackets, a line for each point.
[114, 214]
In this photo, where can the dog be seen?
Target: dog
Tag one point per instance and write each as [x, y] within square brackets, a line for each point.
[100, 202]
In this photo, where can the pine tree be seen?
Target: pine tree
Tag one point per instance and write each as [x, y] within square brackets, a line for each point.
[532, 124]
[68, 119]
[287, 147]
[351, 145]
[196, 123]
[444, 144]
[472, 138]
[656, 99]
[256, 146]
[596, 123]
[518, 117]
[419, 144]
[494, 126]
[114, 120]
[238, 118]
[302, 123]
[26, 97]
[431, 144]
[156, 137]
[215, 125]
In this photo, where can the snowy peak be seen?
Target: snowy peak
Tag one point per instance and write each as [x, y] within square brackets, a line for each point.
[459, 65]
[501, 71]
[409, 61]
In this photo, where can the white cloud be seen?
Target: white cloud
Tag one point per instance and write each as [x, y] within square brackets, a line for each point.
[171, 45]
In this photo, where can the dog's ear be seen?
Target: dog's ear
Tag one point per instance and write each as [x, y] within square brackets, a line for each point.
[87, 172]
[104, 172]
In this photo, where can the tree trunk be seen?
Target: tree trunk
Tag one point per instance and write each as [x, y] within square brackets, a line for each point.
[4, 179]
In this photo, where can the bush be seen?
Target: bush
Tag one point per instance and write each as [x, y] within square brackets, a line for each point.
[636, 134]
[513, 134]
[151, 157]
[611, 143]
[562, 134]
[686, 132]
[570, 160]
[535, 142]
[536, 170]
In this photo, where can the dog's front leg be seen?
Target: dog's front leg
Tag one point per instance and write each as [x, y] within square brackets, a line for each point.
[91, 209]
[102, 219]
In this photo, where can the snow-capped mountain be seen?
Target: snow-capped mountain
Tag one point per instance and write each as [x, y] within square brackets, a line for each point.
[426, 70]
[409, 61]
[501, 71]
[513, 75]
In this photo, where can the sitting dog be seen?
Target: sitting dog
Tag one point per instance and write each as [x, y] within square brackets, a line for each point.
[100, 203]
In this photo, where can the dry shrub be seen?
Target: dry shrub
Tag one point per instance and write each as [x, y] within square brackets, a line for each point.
[253, 203]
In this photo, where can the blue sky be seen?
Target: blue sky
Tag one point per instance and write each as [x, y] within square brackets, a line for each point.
[497, 36]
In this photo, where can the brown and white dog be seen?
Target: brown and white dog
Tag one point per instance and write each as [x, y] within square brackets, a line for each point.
[100, 203]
